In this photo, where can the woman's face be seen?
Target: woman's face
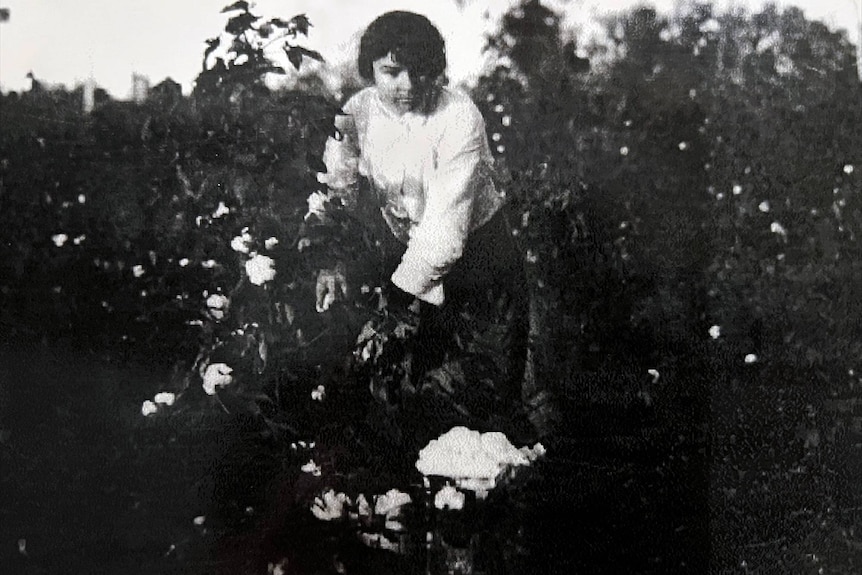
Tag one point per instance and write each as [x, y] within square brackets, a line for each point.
[394, 85]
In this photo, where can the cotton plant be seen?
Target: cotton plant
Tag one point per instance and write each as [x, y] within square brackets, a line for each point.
[244, 323]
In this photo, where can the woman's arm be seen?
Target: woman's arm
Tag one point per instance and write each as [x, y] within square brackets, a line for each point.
[437, 242]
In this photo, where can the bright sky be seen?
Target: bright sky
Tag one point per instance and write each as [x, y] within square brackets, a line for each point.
[65, 42]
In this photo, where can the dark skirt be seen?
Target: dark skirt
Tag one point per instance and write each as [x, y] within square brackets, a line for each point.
[484, 323]
[473, 348]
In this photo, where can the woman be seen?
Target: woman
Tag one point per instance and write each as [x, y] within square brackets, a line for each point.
[423, 150]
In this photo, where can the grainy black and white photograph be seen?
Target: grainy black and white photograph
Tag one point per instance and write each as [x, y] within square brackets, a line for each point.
[466, 287]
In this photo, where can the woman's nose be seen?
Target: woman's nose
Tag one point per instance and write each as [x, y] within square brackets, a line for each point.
[403, 81]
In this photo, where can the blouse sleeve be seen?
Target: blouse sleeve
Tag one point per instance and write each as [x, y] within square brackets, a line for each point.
[438, 240]
[341, 156]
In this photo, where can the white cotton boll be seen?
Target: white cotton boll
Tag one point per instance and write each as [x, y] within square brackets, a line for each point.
[138, 271]
[498, 447]
[59, 239]
[363, 509]
[82, 199]
[165, 398]
[458, 453]
[764, 206]
[217, 304]
[379, 541]
[327, 302]
[624, 151]
[260, 269]
[329, 505]
[209, 264]
[199, 520]
[79, 240]
[777, 228]
[715, 332]
[318, 393]
[848, 169]
[148, 408]
[449, 498]
[506, 121]
[238, 244]
[533, 453]
[390, 502]
[312, 468]
[221, 210]
[496, 136]
[737, 189]
[270, 243]
[184, 262]
[316, 205]
[217, 375]
[683, 146]
[750, 358]
[499, 108]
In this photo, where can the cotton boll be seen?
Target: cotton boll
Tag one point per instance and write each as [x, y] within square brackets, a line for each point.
[391, 502]
[238, 244]
[165, 398]
[216, 375]
[312, 468]
[221, 210]
[260, 269]
[329, 505]
[449, 498]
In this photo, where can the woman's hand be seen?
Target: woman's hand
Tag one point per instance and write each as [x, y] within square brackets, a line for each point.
[331, 287]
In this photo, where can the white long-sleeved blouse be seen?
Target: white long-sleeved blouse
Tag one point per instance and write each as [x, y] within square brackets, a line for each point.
[432, 173]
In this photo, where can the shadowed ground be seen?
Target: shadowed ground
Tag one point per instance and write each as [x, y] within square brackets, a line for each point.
[90, 486]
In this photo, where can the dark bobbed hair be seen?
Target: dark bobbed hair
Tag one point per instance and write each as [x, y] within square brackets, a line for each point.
[413, 41]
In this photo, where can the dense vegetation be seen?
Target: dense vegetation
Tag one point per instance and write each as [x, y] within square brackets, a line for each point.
[688, 201]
